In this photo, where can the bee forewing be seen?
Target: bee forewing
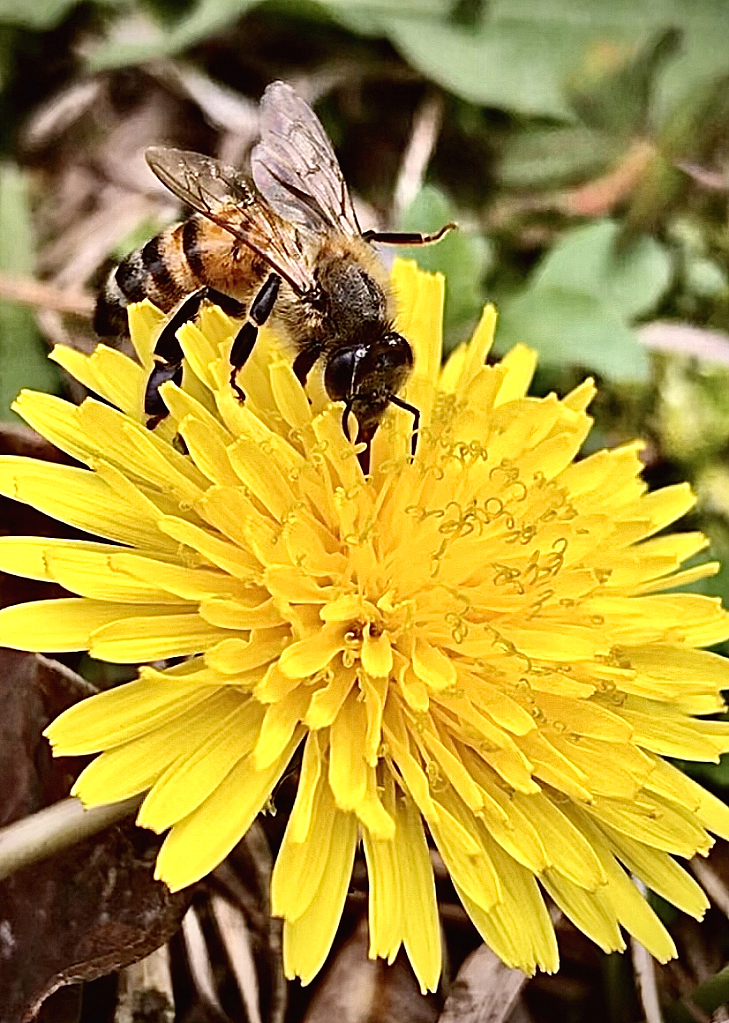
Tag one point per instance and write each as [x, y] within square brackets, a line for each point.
[222, 194]
[203, 183]
[295, 168]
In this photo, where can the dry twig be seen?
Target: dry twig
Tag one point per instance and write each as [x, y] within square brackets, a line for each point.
[423, 138]
[645, 973]
[28, 291]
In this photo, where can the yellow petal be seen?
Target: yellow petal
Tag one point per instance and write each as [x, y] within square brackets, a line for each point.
[376, 654]
[310, 655]
[191, 778]
[386, 894]
[135, 766]
[120, 715]
[199, 842]
[347, 767]
[519, 363]
[307, 940]
[522, 913]
[420, 924]
[300, 865]
[280, 721]
[78, 497]
[302, 813]
[66, 624]
[432, 666]
[152, 637]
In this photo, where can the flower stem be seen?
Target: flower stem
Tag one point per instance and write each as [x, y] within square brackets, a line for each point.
[55, 828]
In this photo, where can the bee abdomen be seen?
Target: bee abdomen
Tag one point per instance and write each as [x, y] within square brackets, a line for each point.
[160, 271]
[110, 314]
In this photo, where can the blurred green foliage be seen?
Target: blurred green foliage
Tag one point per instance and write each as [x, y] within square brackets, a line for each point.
[23, 359]
[464, 257]
[583, 149]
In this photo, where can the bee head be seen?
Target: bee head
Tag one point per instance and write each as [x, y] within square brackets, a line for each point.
[366, 377]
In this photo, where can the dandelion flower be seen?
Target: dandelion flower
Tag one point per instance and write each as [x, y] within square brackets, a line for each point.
[481, 644]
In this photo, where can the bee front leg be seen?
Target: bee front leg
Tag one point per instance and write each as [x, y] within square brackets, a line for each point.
[407, 237]
[261, 308]
[415, 413]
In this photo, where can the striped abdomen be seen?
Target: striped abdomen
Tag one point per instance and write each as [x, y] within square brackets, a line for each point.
[181, 259]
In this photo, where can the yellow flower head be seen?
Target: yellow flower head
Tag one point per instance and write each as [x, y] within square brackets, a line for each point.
[478, 641]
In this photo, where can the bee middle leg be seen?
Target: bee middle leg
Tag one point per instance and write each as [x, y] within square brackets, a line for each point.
[304, 362]
[260, 309]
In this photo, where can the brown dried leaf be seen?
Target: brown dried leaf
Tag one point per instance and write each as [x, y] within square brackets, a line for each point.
[85, 912]
[484, 991]
[21, 440]
[33, 690]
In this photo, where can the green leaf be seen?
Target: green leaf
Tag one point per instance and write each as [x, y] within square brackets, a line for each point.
[23, 353]
[573, 328]
[632, 276]
[517, 66]
[463, 258]
[377, 12]
[539, 157]
[530, 57]
[704, 56]
[139, 39]
[38, 14]
[705, 277]
[617, 97]
[704, 1001]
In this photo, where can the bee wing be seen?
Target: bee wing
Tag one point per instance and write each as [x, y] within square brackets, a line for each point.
[295, 168]
[223, 194]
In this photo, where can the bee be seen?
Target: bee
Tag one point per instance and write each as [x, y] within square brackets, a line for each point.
[284, 248]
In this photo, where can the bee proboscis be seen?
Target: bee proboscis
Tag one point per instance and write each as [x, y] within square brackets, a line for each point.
[285, 248]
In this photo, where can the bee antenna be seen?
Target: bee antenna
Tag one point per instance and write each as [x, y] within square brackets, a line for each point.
[415, 413]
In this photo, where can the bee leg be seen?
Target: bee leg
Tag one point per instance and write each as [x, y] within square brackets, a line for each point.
[303, 363]
[168, 357]
[415, 413]
[230, 306]
[407, 237]
[167, 346]
[154, 406]
[168, 352]
[345, 420]
[363, 457]
[260, 309]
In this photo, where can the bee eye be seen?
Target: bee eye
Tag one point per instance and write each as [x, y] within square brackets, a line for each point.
[399, 352]
[339, 373]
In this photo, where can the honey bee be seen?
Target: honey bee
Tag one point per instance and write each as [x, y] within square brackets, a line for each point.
[285, 248]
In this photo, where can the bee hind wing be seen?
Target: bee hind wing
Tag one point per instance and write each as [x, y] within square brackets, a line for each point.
[295, 167]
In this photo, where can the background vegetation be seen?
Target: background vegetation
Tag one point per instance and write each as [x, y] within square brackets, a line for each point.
[582, 145]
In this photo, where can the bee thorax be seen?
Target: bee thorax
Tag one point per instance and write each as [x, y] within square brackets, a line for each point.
[354, 299]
